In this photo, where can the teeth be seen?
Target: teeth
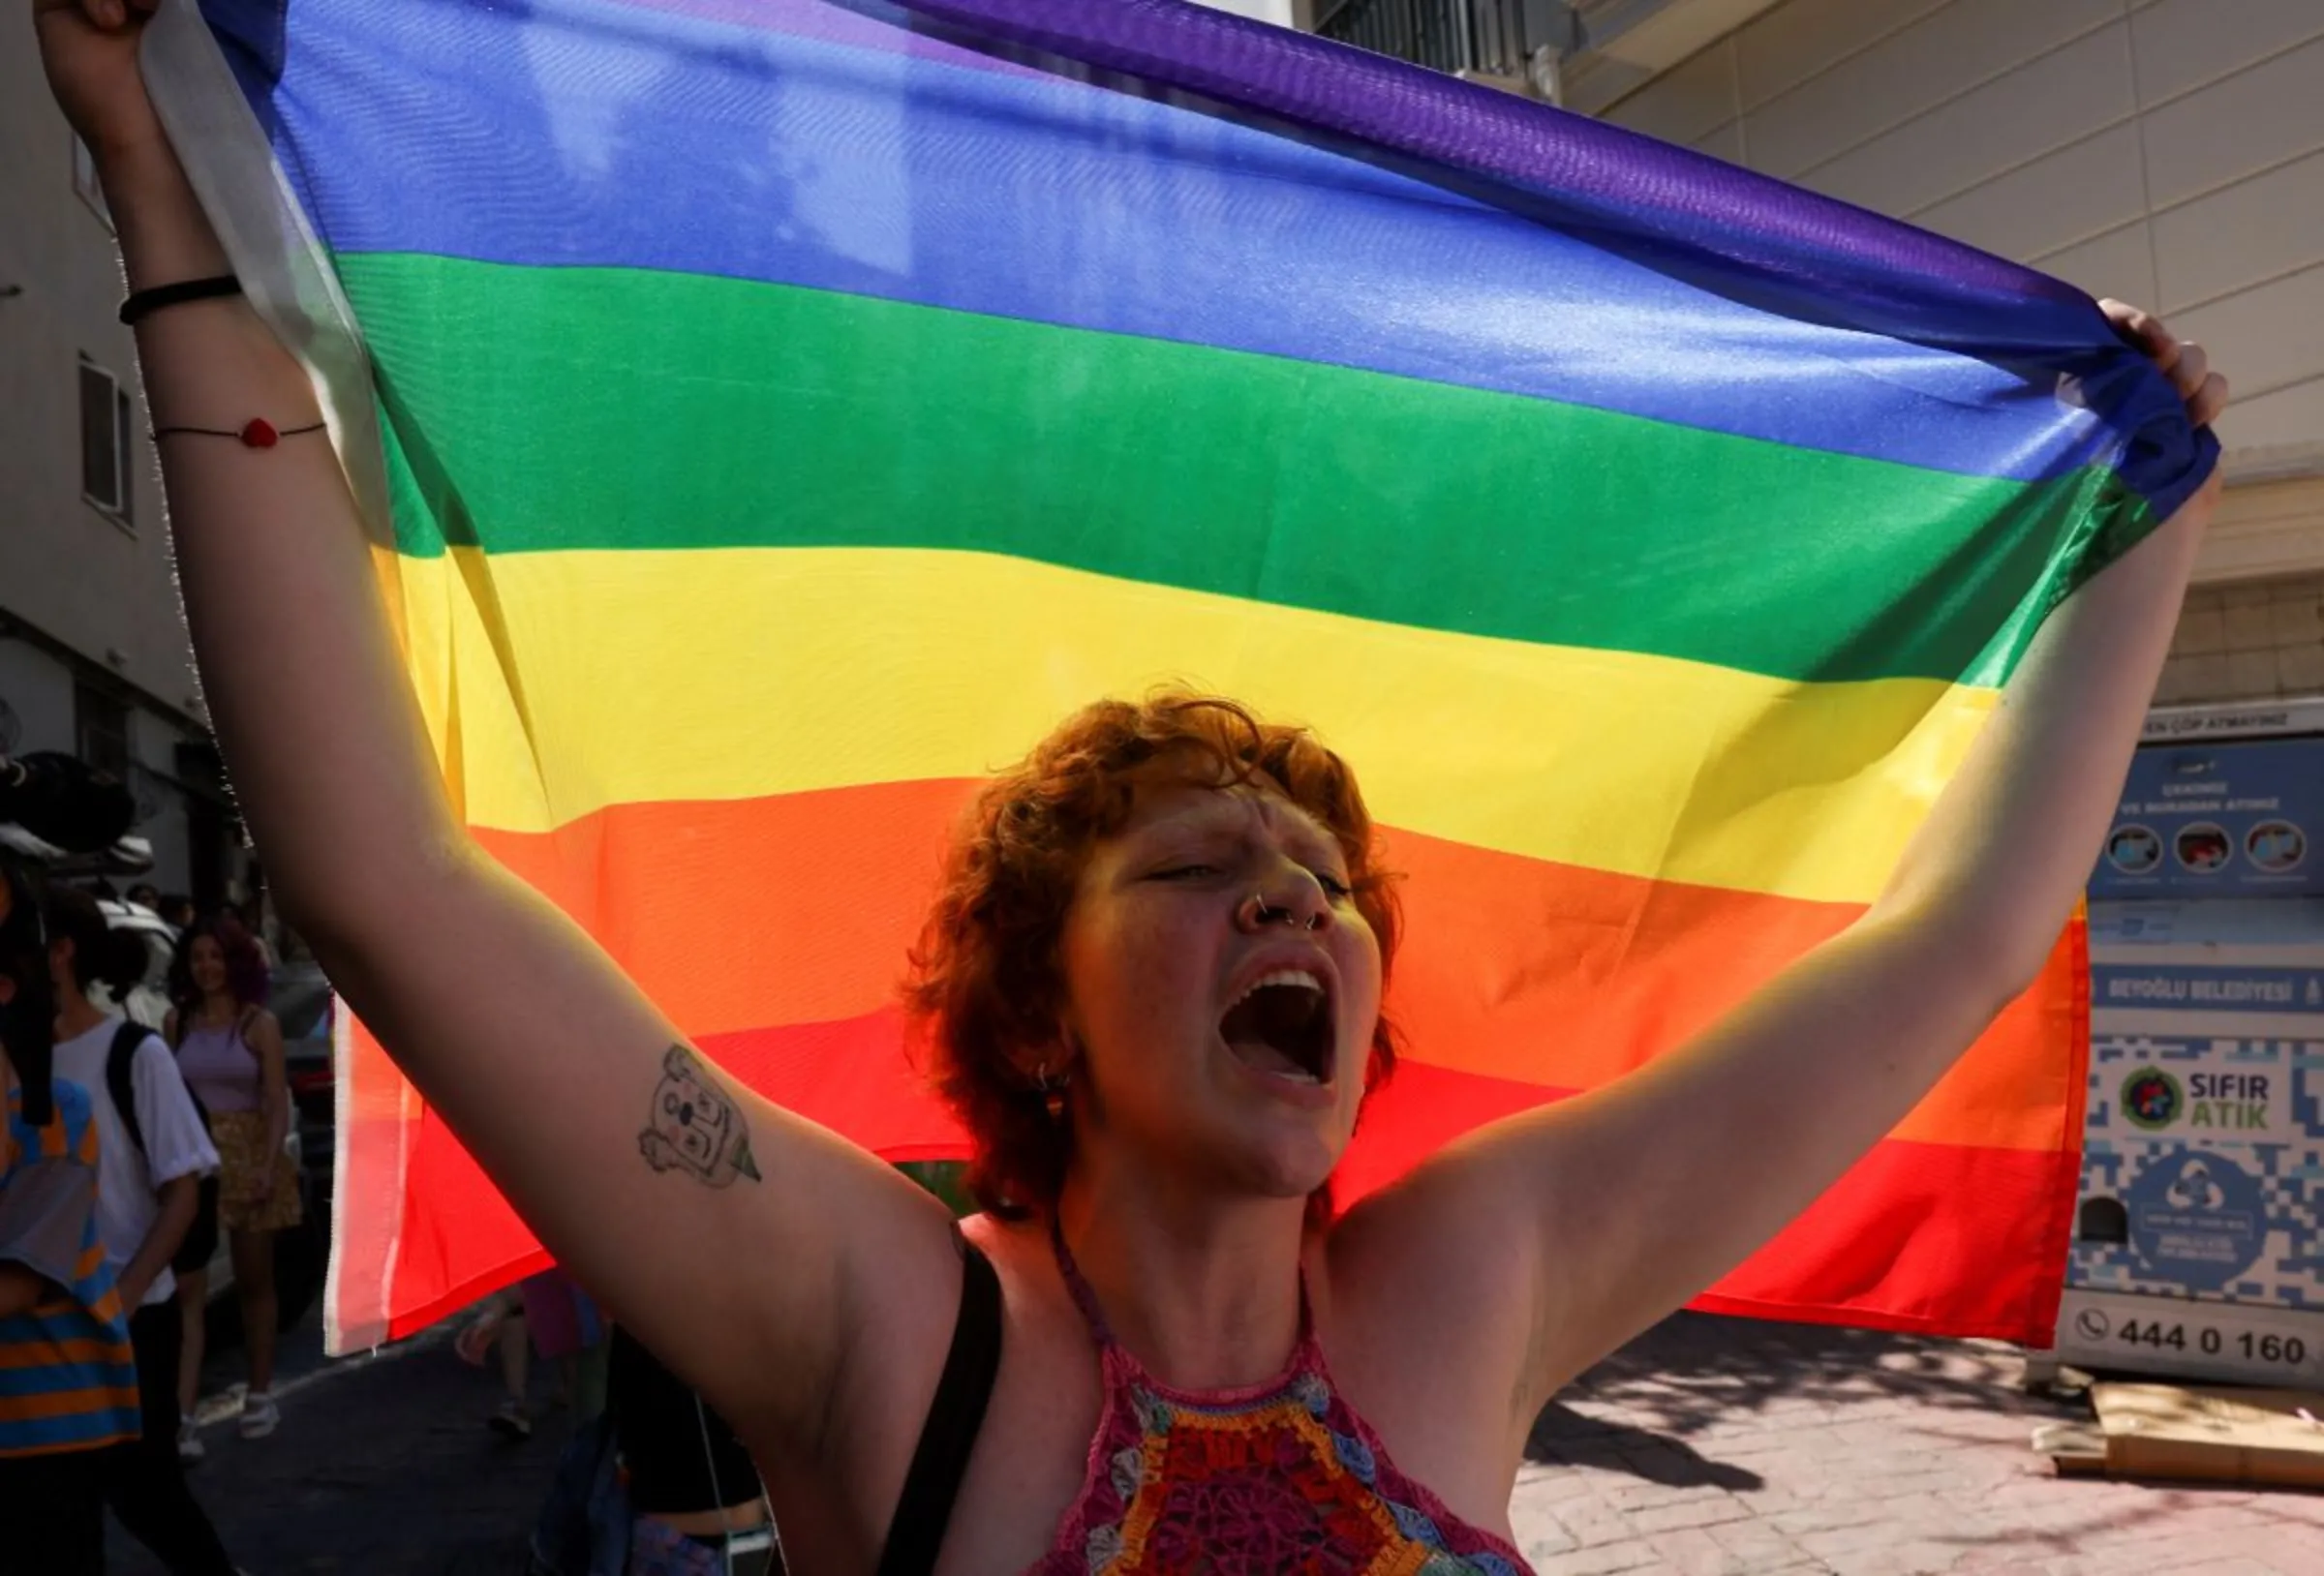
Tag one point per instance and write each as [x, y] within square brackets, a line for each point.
[1280, 977]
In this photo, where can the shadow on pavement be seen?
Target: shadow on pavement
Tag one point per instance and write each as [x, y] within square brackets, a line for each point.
[1562, 1435]
[1698, 1373]
[1665, 1408]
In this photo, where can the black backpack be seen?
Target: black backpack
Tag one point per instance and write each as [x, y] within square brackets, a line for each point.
[127, 1038]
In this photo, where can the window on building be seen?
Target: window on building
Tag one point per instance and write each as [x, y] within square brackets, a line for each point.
[105, 472]
[100, 728]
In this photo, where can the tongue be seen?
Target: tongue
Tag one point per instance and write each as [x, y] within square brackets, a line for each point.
[1259, 1053]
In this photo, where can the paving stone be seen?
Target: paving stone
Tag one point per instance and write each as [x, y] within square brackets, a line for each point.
[1698, 1513]
[1753, 1540]
[1590, 1524]
[1632, 1497]
[1912, 1559]
[1606, 1560]
[1693, 1551]
[1838, 1515]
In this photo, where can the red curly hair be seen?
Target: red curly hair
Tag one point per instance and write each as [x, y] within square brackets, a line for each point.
[986, 978]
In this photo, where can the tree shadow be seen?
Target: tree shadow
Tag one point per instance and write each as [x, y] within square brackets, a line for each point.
[1694, 1373]
[1697, 1381]
[1562, 1435]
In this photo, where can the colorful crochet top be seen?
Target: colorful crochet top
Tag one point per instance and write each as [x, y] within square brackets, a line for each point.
[1281, 1476]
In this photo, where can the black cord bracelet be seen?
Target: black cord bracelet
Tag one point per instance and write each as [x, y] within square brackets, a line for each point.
[257, 433]
[142, 304]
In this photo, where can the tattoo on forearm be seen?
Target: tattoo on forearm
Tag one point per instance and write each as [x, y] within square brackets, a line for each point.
[693, 1127]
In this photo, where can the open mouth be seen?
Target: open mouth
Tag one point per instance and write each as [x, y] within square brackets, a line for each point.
[1283, 1024]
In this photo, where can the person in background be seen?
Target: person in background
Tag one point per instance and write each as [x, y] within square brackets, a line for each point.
[498, 1325]
[133, 986]
[548, 1313]
[153, 1151]
[567, 1328]
[68, 1378]
[695, 1501]
[246, 917]
[146, 896]
[177, 910]
[229, 1049]
[658, 1485]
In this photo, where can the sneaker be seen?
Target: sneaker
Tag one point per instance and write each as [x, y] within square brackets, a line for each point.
[259, 1415]
[511, 1419]
[189, 1442]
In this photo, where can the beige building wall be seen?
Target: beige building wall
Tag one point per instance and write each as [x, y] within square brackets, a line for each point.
[91, 641]
[2248, 640]
[98, 582]
[2170, 152]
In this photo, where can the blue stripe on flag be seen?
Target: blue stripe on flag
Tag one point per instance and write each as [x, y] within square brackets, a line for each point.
[550, 135]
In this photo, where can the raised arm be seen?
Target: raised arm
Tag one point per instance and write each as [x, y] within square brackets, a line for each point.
[732, 1236]
[1632, 1200]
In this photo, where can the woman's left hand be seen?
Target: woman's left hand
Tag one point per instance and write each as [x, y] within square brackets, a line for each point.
[2183, 361]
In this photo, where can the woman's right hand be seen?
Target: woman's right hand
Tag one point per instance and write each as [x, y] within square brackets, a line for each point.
[89, 49]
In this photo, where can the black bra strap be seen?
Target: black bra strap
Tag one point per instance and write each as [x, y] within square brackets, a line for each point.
[941, 1458]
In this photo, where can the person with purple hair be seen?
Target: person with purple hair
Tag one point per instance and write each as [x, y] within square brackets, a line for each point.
[230, 1050]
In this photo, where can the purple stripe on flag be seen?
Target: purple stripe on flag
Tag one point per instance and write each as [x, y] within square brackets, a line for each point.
[1427, 115]
[1702, 219]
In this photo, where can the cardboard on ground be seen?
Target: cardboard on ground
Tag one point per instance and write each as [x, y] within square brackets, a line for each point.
[2225, 1435]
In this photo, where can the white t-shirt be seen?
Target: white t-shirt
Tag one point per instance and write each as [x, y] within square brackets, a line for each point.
[176, 1144]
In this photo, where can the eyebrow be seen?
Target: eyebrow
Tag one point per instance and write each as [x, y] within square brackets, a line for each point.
[1302, 835]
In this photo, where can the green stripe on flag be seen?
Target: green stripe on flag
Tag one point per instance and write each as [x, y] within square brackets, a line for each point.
[535, 410]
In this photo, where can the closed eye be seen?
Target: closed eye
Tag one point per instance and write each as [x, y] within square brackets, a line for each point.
[1334, 886]
[1185, 873]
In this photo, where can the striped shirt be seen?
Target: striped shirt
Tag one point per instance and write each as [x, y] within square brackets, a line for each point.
[68, 1380]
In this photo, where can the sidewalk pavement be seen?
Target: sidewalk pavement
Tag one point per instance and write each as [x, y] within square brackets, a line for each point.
[383, 1467]
[1709, 1448]
[1728, 1447]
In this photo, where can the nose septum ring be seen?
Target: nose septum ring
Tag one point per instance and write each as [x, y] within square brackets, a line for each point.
[1265, 913]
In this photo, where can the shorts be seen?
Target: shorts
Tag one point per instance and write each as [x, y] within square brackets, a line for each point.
[243, 1159]
[655, 1550]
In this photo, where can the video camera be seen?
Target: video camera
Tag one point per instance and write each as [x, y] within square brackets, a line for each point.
[52, 808]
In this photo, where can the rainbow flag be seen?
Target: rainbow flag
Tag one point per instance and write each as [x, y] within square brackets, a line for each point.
[776, 413]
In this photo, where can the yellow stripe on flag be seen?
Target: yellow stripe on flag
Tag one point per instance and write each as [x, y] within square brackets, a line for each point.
[742, 673]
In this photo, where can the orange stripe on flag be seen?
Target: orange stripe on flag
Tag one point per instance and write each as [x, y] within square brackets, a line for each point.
[738, 915]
